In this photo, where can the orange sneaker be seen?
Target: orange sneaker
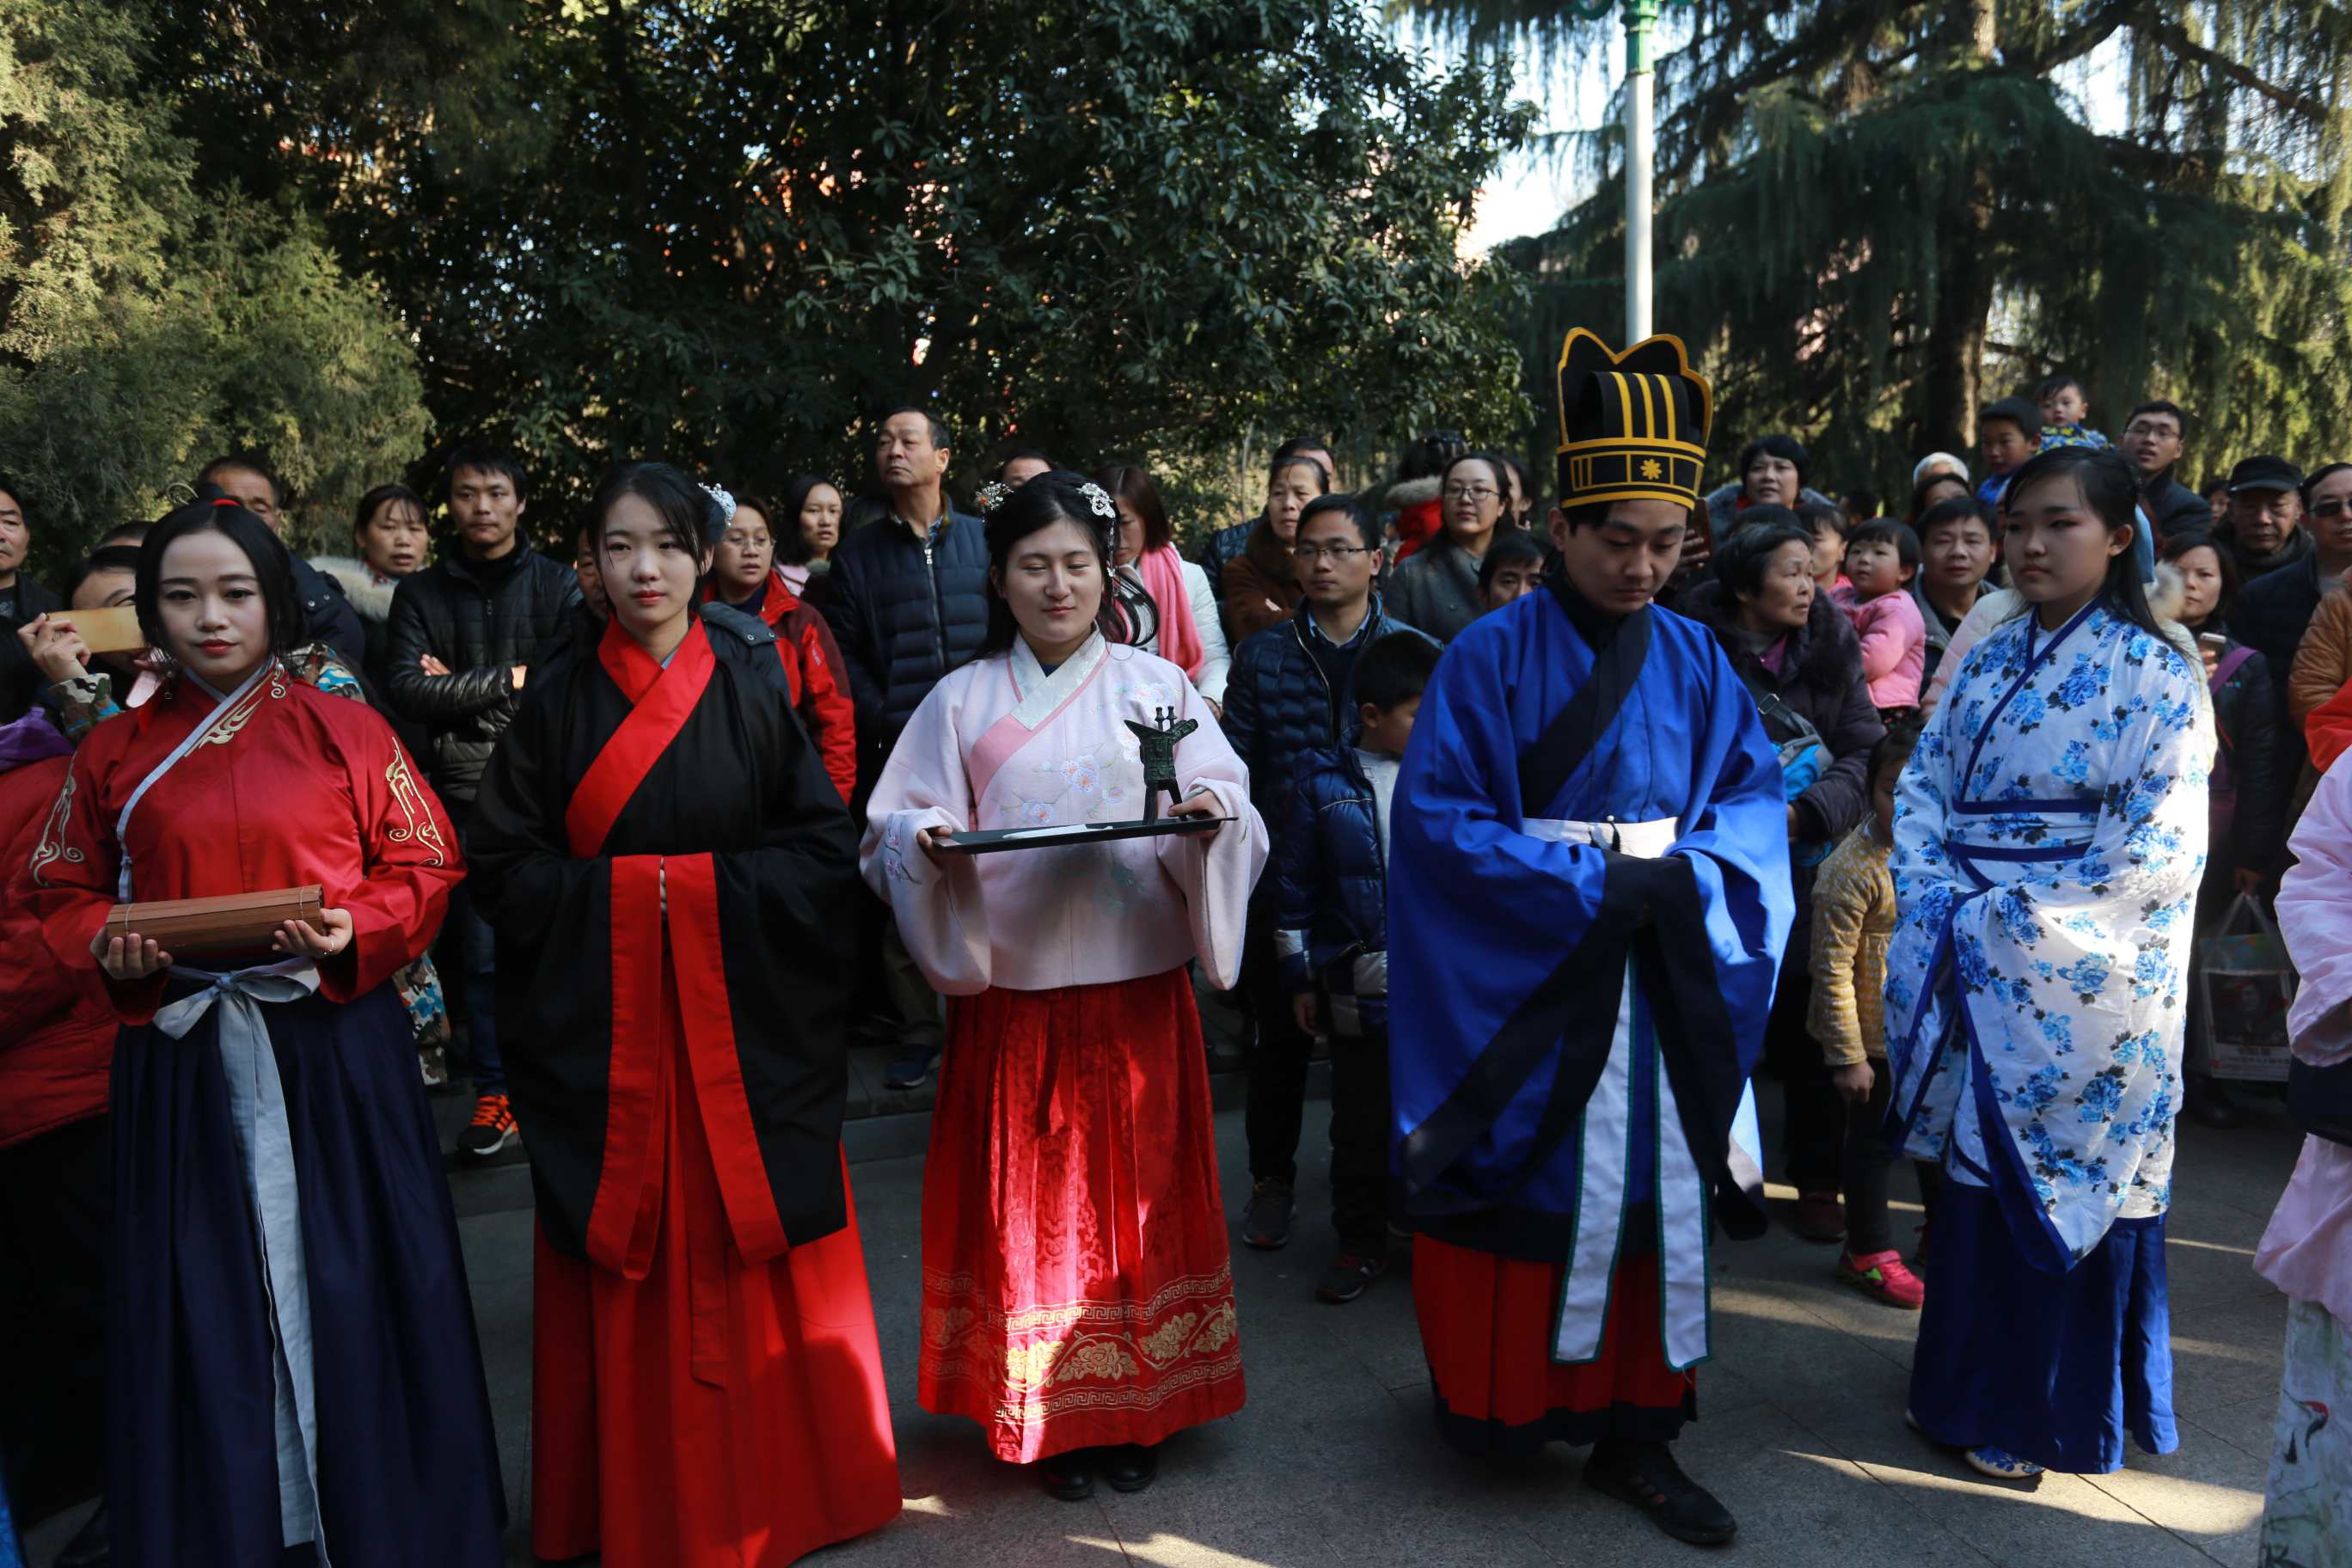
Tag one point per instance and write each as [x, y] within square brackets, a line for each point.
[493, 1128]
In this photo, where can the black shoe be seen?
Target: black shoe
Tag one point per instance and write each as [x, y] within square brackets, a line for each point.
[1645, 1475]
[1071, 1475]
[1350, 1274]
[2210, 1104]
[911, 1068]
[92, 1545]
[493, 1127]
[1266, 1223]
[1130, 1466]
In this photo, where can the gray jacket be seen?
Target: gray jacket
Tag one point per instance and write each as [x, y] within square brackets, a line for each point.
[1435, 590]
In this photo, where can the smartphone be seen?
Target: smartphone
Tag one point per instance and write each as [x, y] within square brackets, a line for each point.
[108, 631]
[2213, 640]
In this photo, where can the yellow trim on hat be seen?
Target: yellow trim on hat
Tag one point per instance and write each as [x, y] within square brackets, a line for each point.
[1636, 443]
[1679, 498]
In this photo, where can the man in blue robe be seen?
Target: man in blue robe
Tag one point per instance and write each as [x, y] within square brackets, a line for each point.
[1589, 895]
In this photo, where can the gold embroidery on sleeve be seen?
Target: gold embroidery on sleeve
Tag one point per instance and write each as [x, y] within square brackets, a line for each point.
[52, 846]
[413, 804]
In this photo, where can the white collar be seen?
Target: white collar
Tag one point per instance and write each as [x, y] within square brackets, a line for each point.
[1041, 694]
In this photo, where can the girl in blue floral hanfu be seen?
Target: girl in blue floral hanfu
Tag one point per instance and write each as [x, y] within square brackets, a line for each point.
[2049, 835]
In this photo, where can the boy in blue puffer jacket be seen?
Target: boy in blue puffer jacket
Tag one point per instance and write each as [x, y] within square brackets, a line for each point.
[1331, 892]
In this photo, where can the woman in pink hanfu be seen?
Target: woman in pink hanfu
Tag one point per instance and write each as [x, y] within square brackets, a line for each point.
[1077, 1301]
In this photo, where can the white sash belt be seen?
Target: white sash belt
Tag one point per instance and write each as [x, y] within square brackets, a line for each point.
[265, 1148]
[1644, 840]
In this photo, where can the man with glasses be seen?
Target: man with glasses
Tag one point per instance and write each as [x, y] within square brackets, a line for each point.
[1292, 691]
[2277, 607]
[2152, 441]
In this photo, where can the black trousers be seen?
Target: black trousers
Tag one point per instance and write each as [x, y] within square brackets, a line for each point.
[1867, 1227]
[1814, 1126]
[56, 1202]
[1359, 1142]
[1278, 1063]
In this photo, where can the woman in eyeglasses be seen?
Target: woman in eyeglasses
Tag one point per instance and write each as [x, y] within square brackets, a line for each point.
[1437, 590]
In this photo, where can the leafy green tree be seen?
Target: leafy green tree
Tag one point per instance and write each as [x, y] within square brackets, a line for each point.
[1877, 217]
[148, 321]
[725, 231]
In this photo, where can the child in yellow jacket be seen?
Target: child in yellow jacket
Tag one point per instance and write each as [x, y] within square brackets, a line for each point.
[1854, 920]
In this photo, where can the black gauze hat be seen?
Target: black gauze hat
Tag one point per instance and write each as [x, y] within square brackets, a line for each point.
[1632, 427]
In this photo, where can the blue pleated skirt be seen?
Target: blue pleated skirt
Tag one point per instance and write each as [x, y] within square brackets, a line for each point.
[2054, 1368]
[408, 1471]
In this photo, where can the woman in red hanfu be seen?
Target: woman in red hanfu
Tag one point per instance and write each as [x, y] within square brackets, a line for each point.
[1077, 1301]
[663, 856]
[292, 1372]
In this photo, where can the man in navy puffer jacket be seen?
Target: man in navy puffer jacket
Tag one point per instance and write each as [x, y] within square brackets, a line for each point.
[1291, 691]
[909, 595]
[1330, 871]
[907, 601]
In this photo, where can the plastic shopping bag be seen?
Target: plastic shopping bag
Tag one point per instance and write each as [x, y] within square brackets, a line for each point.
[2244, 987]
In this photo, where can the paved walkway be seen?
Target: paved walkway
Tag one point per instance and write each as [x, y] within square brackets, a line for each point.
[1334, 1460]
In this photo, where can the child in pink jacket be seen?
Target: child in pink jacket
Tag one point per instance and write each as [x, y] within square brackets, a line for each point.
[1880, 559]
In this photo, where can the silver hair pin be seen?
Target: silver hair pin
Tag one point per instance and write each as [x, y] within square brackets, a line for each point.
[1100, 499]
[726, 503]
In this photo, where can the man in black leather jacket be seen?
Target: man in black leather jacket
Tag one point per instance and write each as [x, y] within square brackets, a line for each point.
[462, 636]
[326, 615]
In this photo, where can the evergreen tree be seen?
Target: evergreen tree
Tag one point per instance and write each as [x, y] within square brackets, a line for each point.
[1877, 215]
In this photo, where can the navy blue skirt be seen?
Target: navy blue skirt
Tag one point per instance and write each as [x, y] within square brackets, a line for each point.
[408, 1472]
[2055, 1368]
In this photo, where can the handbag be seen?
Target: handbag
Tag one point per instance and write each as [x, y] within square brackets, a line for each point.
[2320, 1100]
[1803, 759]
[2221, 791]
[2245, 986]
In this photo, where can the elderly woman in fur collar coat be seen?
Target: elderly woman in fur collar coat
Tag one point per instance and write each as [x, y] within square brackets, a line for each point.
[389, 530]
[1801, 661]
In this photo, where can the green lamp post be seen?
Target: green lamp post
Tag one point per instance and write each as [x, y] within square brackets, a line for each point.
[1641, 143]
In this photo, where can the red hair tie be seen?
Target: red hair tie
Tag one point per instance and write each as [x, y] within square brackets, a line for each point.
[225, 500]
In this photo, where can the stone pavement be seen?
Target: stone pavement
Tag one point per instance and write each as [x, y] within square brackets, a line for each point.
[1334, 1460]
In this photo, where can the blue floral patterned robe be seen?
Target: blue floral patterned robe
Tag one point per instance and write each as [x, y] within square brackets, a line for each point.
[2049, 835]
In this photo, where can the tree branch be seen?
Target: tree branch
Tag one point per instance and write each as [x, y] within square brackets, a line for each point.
[2181, 45]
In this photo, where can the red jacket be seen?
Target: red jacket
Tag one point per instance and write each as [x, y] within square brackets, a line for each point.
[57, 1032]
[820, 690]
[1419, 515]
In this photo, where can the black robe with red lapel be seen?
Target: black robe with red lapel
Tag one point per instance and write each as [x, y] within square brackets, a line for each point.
[712, 816]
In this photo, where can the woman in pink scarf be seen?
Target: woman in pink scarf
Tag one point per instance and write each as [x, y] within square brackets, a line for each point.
[1189, 635]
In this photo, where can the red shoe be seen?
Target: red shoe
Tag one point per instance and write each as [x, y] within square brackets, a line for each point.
[1883, 1275]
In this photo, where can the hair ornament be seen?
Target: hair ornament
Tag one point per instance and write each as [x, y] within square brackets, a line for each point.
[726, 503]
[991, 496]
[1100, 499]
